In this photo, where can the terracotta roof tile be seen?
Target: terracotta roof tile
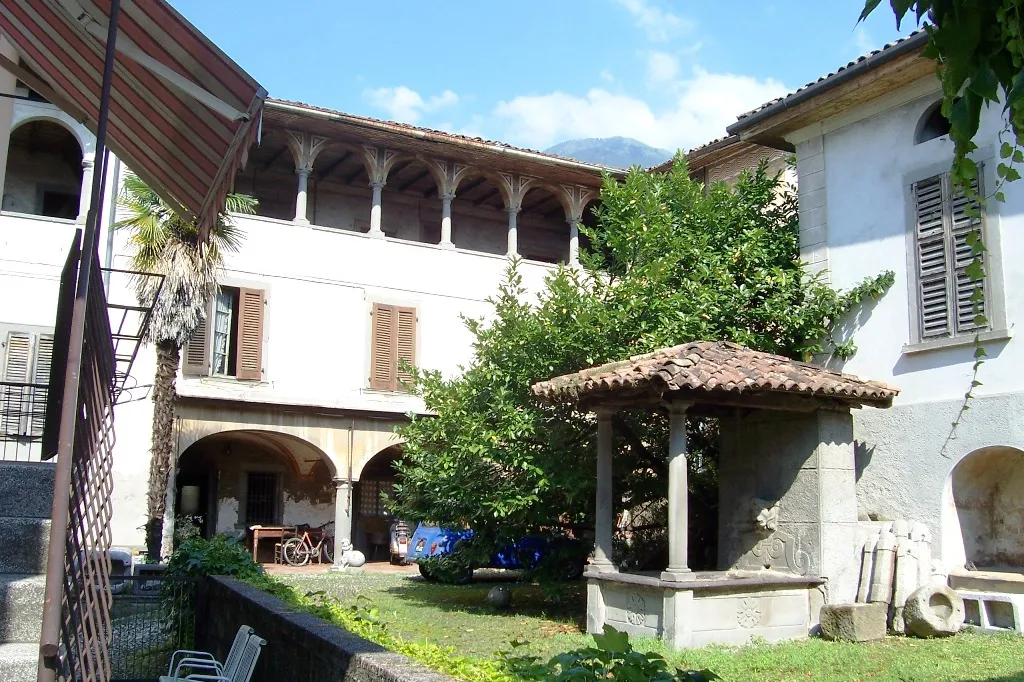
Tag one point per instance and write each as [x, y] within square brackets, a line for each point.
[715, 368]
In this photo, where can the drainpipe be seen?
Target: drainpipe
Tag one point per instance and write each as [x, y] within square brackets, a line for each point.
[108, 258]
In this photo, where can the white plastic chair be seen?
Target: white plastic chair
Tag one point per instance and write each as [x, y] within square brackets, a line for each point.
[189, 659]
[246, 664]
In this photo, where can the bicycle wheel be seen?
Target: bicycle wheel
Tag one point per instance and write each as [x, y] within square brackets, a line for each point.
[295, 552]
[327, 550]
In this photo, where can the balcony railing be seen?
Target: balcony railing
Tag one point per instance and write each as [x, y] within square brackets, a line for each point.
[22, 418]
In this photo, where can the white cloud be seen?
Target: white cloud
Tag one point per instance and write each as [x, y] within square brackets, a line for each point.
[861, 41]
[660, 25]
[662, 68]
[607, 76]
[701, 107]
[406, 105]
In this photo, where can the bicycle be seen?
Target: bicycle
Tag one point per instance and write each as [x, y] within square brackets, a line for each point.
[297, 551]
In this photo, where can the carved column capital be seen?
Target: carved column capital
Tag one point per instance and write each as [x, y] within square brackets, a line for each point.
[448, 175]
[378, 161]
[575, 199]
[514, 188]
[305, 147]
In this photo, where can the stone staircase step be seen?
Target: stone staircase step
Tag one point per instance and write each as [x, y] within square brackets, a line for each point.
[21, 607]
[26, 489]
[19, 662]
[24, 545]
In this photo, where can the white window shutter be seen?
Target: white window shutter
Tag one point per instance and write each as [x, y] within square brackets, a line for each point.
[13, 399]
[933, 284]
[41, 375]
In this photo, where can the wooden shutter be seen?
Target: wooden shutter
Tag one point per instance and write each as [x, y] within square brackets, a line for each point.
[17, 360]
[250, 334]
[197, 350]
[963, 224]
[405, 333]
[41, 375]
[932, 270]
[383, 349]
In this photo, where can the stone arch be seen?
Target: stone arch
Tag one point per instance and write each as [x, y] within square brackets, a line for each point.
[983, 510]
[35, 111]
[236, 478]
[45, 168]
[371, 520]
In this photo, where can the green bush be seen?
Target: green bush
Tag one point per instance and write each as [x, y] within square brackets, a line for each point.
[222, 555]
[611, 658]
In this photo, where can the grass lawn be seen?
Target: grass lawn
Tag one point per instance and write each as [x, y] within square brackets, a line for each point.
[551, 621]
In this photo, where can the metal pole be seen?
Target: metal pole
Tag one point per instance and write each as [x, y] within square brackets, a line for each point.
[49, 643]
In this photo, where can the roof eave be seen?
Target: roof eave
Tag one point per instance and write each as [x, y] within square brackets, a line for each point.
[908, 46]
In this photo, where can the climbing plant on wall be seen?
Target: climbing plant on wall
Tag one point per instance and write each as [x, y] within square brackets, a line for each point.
[979, 51]
[668, 263]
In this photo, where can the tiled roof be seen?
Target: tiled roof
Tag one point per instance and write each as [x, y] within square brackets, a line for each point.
[453, 137]
[889, 47]
[710, 369]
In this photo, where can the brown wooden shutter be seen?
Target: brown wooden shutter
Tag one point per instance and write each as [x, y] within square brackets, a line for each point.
[405, 333]
[197, 350]
[932, 270]
[250, 334]
[383, 349]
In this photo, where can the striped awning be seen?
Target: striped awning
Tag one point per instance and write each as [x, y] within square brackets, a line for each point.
[182, 114]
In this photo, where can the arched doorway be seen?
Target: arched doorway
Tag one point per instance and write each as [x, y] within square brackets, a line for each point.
[988, 500]
[44, 171]
[372, 520]
[230, 481]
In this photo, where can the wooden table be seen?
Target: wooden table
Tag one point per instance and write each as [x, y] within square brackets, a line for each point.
[267, 533]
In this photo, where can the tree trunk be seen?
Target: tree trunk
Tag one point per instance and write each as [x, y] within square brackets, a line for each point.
[167, 358]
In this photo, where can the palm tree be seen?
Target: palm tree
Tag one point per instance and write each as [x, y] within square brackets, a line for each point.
[164, 243]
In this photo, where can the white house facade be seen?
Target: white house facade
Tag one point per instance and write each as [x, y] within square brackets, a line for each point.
[873, 160]
[371, 242]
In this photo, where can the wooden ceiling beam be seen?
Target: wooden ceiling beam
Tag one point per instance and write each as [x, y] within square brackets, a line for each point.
[485, 197]
[416, 178]
[273, 159]
[334, 166]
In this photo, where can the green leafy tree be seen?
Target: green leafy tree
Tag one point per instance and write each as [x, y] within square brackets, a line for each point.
[669, 263]
[164, 243]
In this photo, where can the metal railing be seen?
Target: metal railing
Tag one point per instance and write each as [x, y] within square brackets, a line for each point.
[22, 418]
[152, 616]
[76, 633]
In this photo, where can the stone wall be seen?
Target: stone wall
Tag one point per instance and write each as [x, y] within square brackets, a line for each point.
[787, 496]
[300, 646]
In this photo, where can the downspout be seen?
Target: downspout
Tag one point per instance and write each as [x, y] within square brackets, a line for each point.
[108, 257]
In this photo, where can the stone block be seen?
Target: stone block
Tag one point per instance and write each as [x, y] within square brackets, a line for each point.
[19, 662]
[26, 490]
[853, 622]
[934, 611]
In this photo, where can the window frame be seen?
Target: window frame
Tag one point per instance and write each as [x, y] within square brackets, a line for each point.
[990, 229]
[237, 285]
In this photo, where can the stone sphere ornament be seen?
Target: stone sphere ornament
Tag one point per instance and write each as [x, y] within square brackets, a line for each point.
[355, 558]
[500, 597]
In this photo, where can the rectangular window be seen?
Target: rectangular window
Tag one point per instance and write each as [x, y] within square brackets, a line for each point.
[370, 502]
[261, 499]
[229, 342]
[392, 346]
[943, 218]
[25, 374]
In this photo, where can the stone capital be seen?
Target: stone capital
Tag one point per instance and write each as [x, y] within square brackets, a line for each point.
[679, 406]
[377, 184]
[447, 196]
[305, 148]
[605, 412]
[341, 483]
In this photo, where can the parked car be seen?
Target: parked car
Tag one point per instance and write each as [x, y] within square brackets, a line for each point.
[434, 542]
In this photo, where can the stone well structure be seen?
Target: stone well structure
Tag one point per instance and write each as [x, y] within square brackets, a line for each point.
[787, 499]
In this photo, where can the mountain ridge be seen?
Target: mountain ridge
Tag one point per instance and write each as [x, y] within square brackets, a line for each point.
[617, 152]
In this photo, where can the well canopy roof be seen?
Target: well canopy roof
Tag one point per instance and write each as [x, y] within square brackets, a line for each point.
[182, 114]
[714, 372]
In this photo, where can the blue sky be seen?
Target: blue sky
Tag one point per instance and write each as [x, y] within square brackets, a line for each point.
[671, 73]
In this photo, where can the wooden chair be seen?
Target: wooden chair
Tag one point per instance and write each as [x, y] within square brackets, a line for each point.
[186, 659]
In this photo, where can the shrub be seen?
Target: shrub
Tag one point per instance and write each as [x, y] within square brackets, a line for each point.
[222, 555]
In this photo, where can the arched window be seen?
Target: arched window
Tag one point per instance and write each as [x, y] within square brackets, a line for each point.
[932, 125]
[44, 171]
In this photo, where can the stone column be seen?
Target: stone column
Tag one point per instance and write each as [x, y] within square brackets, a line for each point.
[300, 197]
[446, 221]
[375, 211]
[574, 243]
[604, 516]
[342, 518]
[85, 196]
[7, 84]
[513, 230]
[677, 493]
[305, 148]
